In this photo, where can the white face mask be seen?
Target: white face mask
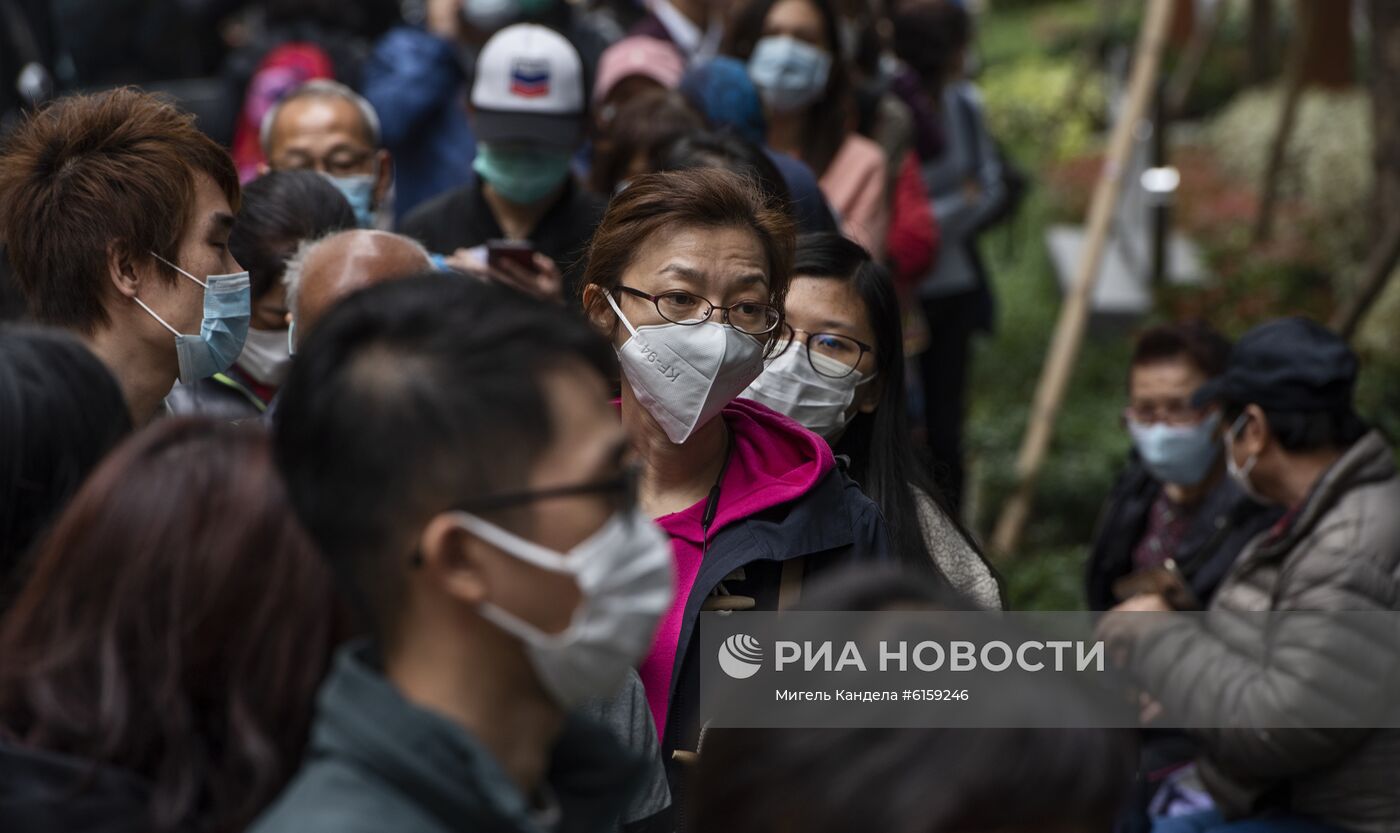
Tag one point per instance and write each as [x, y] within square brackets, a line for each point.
[1240, 474]
[623, 572]
[683, 374]
[266, 356]
[790, 386]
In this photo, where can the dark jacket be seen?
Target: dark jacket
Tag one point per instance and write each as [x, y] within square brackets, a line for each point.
[417, 84]
[378, 763]
[461, 219]
[1226, 520]
[41, 792]
[832, 524]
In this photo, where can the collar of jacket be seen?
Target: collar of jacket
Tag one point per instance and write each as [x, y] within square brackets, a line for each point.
[1368, 461]
[818, 521]
[362, 720]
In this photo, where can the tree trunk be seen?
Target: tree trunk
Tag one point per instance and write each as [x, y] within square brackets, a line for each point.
[1385, 106]
[1262, 41]
[1329, 59]
[1385, 109]
[1183, 23]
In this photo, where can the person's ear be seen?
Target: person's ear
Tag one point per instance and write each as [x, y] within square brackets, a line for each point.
[599, 311]
[451, 556]
[870, 398]
[1254, 439]
[264, 169]
[386, 177]
[122, 270]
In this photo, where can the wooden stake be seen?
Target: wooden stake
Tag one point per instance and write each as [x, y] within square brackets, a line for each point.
[1074, 314]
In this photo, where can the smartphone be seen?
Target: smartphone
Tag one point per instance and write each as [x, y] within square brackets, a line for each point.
[519, 252]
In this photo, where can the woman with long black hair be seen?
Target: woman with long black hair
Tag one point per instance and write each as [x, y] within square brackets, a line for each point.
[841, 375]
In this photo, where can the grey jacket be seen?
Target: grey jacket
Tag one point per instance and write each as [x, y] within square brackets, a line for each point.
[378, 763]
[971, 157]
[1341, 552]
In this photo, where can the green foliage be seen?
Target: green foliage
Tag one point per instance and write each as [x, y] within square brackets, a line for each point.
[1330, 162]
[1045, 107]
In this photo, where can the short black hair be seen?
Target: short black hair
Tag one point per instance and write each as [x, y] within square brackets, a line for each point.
[409, 397]
[280, 210]
[728, 150]
[929, 36]
[1303, 431]
[61, 411]
[1195, 341]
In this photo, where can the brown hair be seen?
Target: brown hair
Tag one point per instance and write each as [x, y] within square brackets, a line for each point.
[696, 197]
[176, 625]
[92, 171]
[643, 126]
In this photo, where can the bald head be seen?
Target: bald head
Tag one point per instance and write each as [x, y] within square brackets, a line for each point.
[326, 270]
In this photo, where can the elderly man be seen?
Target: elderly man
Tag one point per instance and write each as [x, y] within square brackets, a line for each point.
[325, 126]
[326, 270]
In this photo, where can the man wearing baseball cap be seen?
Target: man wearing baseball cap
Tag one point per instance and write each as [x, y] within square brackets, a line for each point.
[527, 111]
[1293, 440]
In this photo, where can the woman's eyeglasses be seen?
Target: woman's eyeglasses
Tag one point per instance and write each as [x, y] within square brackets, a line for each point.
[844, 350]
[688, 309]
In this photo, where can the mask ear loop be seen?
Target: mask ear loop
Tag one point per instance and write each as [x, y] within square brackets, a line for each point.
[620, 316]
[178, 269]
[152, 313]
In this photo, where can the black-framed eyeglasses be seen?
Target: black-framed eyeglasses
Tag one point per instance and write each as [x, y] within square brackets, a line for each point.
[680, 307]
[844, 351]
[622, 488]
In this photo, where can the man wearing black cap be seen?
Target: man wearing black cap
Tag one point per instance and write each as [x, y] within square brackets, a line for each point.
[1293, 440]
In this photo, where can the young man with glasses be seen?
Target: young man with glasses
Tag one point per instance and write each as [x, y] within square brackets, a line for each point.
[451, 448]
[1173, 515]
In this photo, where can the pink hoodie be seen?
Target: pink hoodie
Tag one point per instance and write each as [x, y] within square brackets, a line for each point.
[775, 461]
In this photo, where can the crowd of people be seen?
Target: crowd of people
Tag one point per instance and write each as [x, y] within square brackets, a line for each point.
[372, 471]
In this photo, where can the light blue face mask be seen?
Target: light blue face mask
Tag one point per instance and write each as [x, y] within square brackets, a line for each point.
[228, 306]
[789, 73]
[359, 192]
[521, 175]
[1180, 454]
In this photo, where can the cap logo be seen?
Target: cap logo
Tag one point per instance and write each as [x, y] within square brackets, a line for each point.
[529, 78]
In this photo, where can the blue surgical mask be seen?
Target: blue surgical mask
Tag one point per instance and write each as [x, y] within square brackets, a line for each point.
[359, 192]
[789, 73]
[521, 175]
[228, 306]
[1180, 454]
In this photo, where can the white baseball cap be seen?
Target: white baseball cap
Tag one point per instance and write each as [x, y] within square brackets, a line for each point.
[528, 88]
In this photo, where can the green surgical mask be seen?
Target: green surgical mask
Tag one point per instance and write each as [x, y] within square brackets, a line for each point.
[522, 176]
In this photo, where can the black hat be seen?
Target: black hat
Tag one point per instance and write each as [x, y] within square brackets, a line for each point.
[1289, 365]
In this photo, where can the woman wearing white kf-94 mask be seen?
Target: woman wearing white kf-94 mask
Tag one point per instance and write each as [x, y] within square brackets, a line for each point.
[686, 275]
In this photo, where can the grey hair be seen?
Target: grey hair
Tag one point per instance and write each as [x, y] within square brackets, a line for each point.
[296, 264]
[322, 88]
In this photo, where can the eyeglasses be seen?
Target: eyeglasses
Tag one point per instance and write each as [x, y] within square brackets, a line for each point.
[623, 490]
[342, 164]
[1172, 413]
[845, 350]
[687, 308]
